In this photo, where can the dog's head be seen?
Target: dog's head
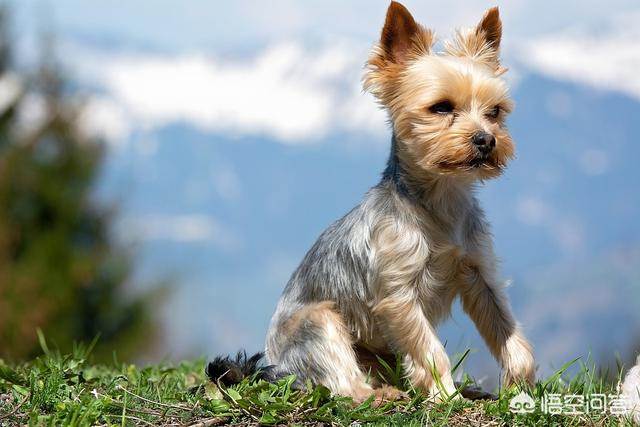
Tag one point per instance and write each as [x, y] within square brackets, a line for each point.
[447, 109]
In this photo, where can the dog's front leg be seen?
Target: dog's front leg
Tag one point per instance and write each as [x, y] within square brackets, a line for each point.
[400, 259]
[410, 334]
[486, 302]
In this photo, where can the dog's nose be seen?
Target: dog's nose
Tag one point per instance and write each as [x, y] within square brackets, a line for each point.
[485, 142]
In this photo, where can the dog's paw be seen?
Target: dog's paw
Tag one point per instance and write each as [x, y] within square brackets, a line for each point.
[382, 395]
[387, 393]
[519, 364]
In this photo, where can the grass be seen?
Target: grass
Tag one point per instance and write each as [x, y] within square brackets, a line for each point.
[57, 389]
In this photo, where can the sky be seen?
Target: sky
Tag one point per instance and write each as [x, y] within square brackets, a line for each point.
[292, 69]
[238, 130]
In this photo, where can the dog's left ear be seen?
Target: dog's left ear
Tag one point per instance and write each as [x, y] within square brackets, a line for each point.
[490, 27]
[481, 43]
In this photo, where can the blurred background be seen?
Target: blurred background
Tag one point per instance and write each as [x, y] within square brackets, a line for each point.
[165, 165]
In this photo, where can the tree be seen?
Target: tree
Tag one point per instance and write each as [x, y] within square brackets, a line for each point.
[60, 269]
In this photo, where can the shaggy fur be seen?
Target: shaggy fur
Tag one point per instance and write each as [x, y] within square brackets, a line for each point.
[381, 279]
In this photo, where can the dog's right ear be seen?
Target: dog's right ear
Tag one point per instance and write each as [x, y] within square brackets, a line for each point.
[398, 33]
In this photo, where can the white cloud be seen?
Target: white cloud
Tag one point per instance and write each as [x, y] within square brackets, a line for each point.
[284, 92]
[298, 95]
[190, 228]
[605, 57]
[105, 118]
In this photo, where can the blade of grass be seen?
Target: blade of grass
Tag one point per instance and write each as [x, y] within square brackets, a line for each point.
[553, 378]
[43, 342]
[459, 362]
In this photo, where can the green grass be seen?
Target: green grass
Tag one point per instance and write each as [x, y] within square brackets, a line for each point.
[59, 389]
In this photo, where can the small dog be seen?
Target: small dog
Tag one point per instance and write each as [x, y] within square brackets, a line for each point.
[378, 281]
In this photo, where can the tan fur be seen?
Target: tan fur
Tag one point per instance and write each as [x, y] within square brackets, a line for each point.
[432, 143]
[339, 352]
[484, 299]
[482, 43]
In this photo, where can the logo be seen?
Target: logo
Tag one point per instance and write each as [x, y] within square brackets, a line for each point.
[571, 404]
[522, 403]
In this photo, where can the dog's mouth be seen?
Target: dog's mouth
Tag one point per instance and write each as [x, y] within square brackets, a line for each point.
[482, 162]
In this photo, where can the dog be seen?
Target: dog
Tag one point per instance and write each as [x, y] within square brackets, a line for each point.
[378, 281]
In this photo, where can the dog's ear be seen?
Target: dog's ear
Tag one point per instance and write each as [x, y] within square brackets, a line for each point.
[490, 27]
[402, 40]
[481, 43]
[398, 33]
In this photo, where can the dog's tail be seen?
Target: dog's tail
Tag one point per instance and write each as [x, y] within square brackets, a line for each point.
[230, 371]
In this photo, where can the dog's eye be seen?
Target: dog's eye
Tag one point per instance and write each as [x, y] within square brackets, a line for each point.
[494, 112]
[442, 107]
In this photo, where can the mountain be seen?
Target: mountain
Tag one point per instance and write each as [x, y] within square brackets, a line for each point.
[232, 217]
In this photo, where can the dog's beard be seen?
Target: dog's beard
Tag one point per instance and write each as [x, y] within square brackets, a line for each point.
[459, 158]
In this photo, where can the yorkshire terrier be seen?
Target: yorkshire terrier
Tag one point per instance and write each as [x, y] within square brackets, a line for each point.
[378, 281]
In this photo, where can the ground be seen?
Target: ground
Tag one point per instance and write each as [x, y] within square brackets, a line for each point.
[57, 390]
